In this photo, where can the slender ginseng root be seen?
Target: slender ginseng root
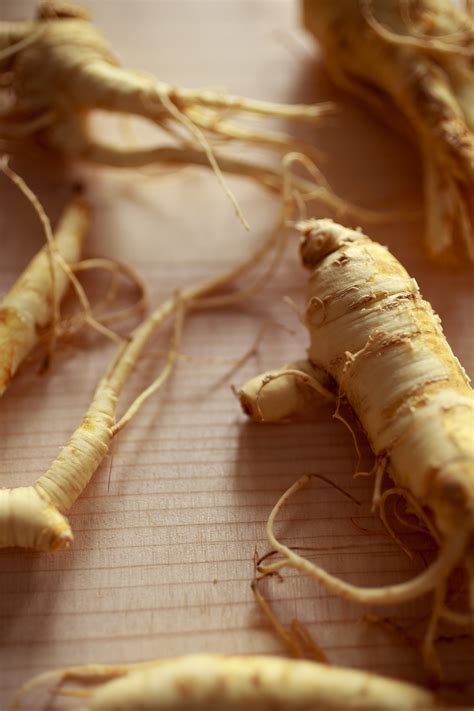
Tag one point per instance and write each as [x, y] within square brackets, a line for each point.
[58, 69]
[33, 516]
[414, 56]
[30, 312]
[29, 306]
[374, 335]
[206, 681]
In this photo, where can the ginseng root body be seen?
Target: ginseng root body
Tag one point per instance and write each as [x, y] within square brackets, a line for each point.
[383, 345]
[236, 683]
[416, 58]
[28, 308]
[57, 70]
[371, 330]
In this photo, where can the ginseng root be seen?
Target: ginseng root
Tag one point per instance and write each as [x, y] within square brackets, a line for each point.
[28, 308]
[382, 344]
[417, 57]
[206, 681]
[33, 516]
[59, 68]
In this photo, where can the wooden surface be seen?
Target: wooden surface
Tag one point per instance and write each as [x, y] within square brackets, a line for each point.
[165, 534]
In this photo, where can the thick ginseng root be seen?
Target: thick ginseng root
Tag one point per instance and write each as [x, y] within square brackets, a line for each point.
[383, 345]
[28, 307]
[260, 683]
[417, 57]
[371, 330]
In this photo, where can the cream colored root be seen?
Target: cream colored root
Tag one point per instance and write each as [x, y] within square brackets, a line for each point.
[220, 100]
[103, 84]
[87, 673]
[256, 682]
[164, 375]
[449, 556]
[33, 517]
[98, 82]
[285, 393]
[51, 251]
[28, 307]
[55, 256]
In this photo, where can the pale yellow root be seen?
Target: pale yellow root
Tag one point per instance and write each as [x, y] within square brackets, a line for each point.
[372, 332]
[414, 60]
[33, 516]
[281, 394]
[78, 73]
[28, 307]
[383, 344]
[260, 683]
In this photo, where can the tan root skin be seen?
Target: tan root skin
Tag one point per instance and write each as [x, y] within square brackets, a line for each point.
[424, 68]
[261, 683]
[373, 333]
[28, 306]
